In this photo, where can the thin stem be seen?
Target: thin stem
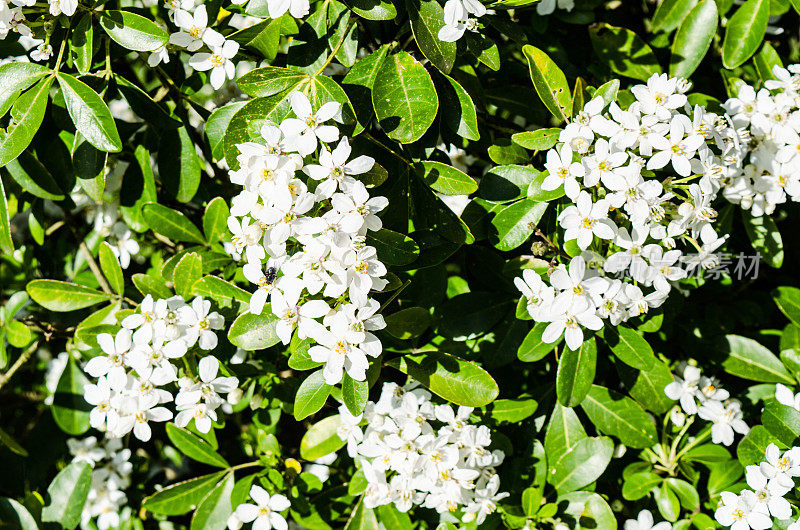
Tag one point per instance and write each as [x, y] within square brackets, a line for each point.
[23, 358]
[61, 50]
[702, 437]
[248, 464]
[395, 295]
[335, 50]
[95, 269]
[377, 142]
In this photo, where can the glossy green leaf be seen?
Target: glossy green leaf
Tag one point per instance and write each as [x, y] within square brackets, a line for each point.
[188, 271]
[515, 223]
[693, 39]
[750, 360]
[170, 223]
[624, 52]
[539, 140]
[576, 370]
[213, 512]
[62, 296]
[133, 31]
[788, 301]
[70, 409]
[404, 98]
[89, 113]
[111, 269]
[765, 238]
[182, 497]
[311, 395]
[179, 168]
[447, 180]
[393, 248]
[620, 416]
[670, 13]
[744, 32]
[457, 380]
[582, 464]
[427, 18]
[629, 346]
[254, 332]
[408, 323]
[321, 439]
[27, 113]
[68, 493]
[533, 348]
[549, 82]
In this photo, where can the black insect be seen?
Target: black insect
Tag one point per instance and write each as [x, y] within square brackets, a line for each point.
[270, 275]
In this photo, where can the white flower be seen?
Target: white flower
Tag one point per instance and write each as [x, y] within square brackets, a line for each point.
[561, 170]
[304, 130]
[112, 365]
[209, 388]
[296, 8]
[785, 396]
[66, 7]
[685, 389]
[338, 354]
[769, 492]
[218, 61]
[195, 31]
[678, 149]
[726, 418]
[645, 522]
[265, 514]
[584, 220]
[486, 498]
[335, 171]
[200, 323]
[86, 450]
[742, 512]
[286, 306]
[781, 468]
[659, 96]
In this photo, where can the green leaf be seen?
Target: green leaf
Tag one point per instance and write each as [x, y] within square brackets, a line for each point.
[408, 323]
[271, 80]
[788, 301]
[152, 285]
[624, 52]
[781, 421]
[620, 416]
[515, 223]
[214, 510]
[468, 315]
[647, 386]
[582, 464]
[667, 503]
[576, 369]
[62, 296]
[359, 81]
[427, 18]
[133, 31]
[752, 447]
[215, 218]
[390, 518]
[563, 432]
[393, 248]
[15, 77]
[90, 114]
[170, 223]
[458, 110]
[638, 485]
[670, 13]
[27, 113]
[549, 82]
[178, 164]
[254, 332]
[404, 98]
[111, 269]
[219, 290]
[765, 238]
[182, 497]
[321, 439]
[589, 508]
[539, 140]
[80, 44]
[512, 410]
[16, 515]
[533, 348]
[457, 380]
[194, 447]
[373, 9]
[629, 346]
[6, 243]
[216, 124]
[744, 32]
[34, 177]
[686, 493]
[70, 409]
[188, 271]
[693, 39]
[507, 183]
[362, 518]
[311, 396]
[766, 60]
[354, 394]
[447, 179]
[68, 493]
[750, 360]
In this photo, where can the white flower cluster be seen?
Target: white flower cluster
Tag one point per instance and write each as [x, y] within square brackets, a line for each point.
[137, 363]
[111, 472]
[415, 452]
[770, 481]
[265, 514]
[104, 216]
[769, 123]
[701, 395]
[642, 180]
[307, 239]
[193, 34]
[12, 19]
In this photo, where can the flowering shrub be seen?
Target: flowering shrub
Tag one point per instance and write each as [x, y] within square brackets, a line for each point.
[432, 264]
